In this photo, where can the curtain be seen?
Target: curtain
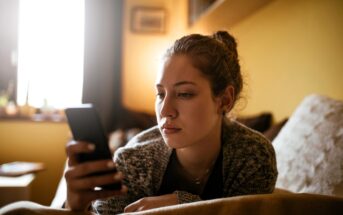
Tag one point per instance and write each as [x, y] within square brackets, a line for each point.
[103, 59]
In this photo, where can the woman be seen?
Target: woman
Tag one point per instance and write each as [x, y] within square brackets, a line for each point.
[194, 152]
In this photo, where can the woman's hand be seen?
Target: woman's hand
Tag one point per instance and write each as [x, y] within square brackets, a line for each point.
[152, 202]
[80, 186]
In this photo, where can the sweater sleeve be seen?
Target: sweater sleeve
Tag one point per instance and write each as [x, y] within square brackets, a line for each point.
[116, 204]
[185, 197]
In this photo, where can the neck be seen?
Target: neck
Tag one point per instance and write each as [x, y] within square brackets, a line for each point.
[201, 156]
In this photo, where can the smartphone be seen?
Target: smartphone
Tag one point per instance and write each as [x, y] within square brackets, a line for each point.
[85, 125]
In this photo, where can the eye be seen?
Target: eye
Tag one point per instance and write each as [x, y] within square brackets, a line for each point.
[185, 95]
[160, 95]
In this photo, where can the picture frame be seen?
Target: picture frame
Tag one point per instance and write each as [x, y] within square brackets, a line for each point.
[148, 20]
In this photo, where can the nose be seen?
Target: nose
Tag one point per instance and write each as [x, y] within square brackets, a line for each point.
[167, 108]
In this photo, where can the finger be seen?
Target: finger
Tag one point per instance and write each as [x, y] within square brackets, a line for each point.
[90, 167]
[122, 191]
[95, 181]
[130, 208]
[142, 208]
[102, 194]
[73, 147]
[135, 206]
[76, 147]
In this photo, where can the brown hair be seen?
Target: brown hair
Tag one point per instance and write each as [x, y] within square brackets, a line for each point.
[215, 56]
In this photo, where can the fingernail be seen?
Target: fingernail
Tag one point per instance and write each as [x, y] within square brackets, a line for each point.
[91, 147]
[110, 164]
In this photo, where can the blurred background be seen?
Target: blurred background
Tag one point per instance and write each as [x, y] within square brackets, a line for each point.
[59, 53]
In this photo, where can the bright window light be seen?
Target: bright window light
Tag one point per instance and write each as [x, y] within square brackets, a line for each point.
[50, 52]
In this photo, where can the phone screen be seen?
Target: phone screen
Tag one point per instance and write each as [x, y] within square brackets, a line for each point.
[86, 126]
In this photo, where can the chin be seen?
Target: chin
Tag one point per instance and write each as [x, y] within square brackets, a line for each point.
[174, 142]
[170, 143]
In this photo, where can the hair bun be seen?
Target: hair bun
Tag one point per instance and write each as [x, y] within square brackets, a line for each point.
[227, 39]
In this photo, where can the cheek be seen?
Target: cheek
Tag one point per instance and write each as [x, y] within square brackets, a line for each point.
[200, 114]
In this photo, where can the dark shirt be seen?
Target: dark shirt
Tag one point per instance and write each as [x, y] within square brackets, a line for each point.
[175, 179]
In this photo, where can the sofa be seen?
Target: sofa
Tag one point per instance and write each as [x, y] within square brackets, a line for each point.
[309, 152]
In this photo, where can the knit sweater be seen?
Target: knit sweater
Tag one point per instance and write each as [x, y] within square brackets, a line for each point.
[249, 166]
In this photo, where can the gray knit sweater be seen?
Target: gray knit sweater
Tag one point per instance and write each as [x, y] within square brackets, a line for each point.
[249, 166]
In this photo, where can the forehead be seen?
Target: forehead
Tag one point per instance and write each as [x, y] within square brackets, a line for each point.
[179, 68]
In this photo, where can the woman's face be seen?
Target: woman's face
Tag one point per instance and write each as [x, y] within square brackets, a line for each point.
[187, 113]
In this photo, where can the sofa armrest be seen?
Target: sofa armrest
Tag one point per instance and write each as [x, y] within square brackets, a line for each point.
[264, 204]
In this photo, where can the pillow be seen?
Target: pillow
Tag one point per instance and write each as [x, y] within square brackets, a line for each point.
[309, 148]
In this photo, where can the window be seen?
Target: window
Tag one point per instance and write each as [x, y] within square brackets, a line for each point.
[50, 52]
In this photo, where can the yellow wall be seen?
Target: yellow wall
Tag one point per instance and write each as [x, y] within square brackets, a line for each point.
[36, 142]
[142, 52]
[288, 49]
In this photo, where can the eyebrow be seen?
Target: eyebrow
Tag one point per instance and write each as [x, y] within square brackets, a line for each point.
[179, 83]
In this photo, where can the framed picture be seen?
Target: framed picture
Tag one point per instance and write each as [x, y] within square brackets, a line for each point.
[148, 20]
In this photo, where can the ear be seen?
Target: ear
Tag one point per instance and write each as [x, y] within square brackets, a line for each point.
[227, 99]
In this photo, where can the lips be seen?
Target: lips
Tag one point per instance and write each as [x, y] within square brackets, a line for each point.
[170, 129]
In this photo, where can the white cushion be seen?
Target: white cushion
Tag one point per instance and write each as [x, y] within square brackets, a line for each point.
[309, 148]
